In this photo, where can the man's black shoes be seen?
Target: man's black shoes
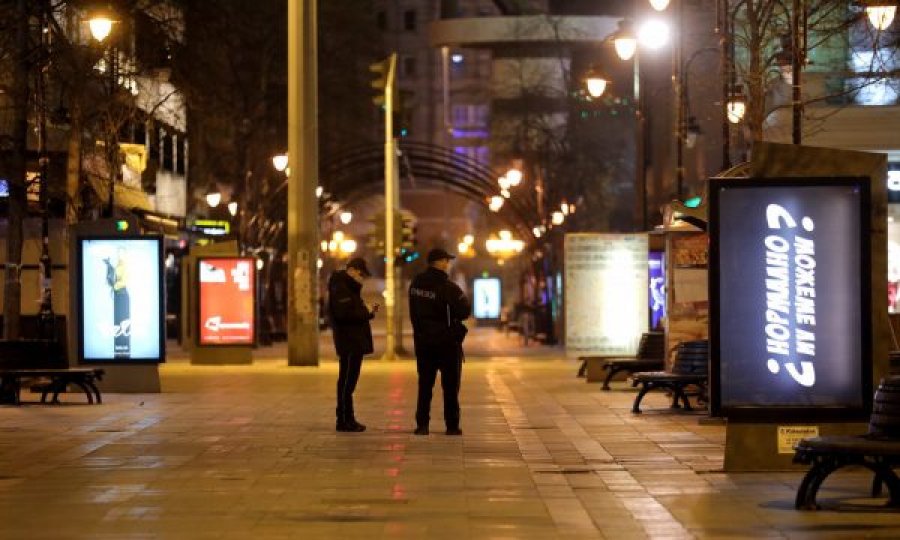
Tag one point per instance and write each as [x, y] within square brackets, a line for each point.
[454, 431]
[421, 431]
[350, 427]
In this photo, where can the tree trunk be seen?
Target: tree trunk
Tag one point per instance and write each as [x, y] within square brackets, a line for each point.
[73, 163]
[12, 288]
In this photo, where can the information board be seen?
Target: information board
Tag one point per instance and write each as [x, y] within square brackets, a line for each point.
[120, 295]
[606, 293]
[227, 298]
[791, 300]
[486, 298]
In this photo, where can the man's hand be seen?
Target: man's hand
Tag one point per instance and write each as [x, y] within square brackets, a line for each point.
[374, 308]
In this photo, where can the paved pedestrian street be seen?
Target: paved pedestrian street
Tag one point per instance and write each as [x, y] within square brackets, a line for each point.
[251, 452]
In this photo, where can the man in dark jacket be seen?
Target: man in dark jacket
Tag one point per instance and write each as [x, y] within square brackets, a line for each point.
[437, 307]
[352, 334]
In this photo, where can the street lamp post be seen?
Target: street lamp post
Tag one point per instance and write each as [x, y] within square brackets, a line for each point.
[687, 128]
[101, 26]
[625, 41]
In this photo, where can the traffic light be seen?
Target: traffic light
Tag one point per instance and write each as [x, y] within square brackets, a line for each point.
[385, 72]
[408, 230]
[375, 240]
[403, 113]
[692, 210]
[405, 241]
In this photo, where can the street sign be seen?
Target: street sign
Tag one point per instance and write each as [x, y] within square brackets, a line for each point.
[227, 298]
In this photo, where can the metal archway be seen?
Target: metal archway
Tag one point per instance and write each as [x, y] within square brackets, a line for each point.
[359, 173]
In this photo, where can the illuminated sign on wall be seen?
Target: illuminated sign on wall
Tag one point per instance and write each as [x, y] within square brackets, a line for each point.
[120, 299]
[211, 227]
[227, 301]
[486, 298]
[791, 300]
[657, 288]
[606, 293]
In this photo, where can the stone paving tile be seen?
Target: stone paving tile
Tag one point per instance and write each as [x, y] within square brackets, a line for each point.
[251, 452]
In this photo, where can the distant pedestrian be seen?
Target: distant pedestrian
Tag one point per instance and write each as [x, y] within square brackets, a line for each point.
[437, 307]
[352, 334]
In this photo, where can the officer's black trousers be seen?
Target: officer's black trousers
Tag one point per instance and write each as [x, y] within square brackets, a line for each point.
[428, 363]
[348, 375]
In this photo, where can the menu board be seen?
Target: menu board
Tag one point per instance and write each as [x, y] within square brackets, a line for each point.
[792, 297]
[120, 295]
[227, 298]
[606, 293]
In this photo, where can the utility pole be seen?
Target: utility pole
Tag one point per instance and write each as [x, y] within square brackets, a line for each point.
[303, 216]
[391, 202]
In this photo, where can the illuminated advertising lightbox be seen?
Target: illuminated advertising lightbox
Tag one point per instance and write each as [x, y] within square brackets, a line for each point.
[120, 295]
[606, 293]
[227, 301]
[657, 288]
[486, 298]
[790, 299]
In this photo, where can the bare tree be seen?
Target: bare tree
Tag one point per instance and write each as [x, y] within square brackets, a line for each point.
[823, 35]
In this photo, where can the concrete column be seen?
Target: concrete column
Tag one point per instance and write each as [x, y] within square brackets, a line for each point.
[303, 236]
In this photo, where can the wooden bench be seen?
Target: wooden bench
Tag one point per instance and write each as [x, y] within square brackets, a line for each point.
[32, 354]
[878, 451]
[651, 355]
[689, 370]
[828, 454]
[59, 381]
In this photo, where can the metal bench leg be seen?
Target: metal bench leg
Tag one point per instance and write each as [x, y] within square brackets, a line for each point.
[645, 387]
[804, 501]
[57, 387]
[876, 485]
[610, 373]
[86, 390]
[884, 474]
[806, 493]
[684, 399]
[823, 471]
[95, 390]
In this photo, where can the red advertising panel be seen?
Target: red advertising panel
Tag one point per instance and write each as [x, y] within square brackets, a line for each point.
[227, 301]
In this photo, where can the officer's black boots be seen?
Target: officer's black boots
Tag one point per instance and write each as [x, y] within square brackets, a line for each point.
[351, 426]
[421, 431]
[454, 431]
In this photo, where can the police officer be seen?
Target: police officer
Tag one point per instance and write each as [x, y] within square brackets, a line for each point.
[352, 334]
[437, 307]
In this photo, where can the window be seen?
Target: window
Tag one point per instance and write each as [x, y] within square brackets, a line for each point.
[460, 115]
[465, 115]
[409, 20]
[381, 20]
[168, 153]
[409, 66]
[181, 158]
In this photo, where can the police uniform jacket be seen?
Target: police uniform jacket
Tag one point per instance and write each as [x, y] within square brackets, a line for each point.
[435, 304]
[349, 316]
